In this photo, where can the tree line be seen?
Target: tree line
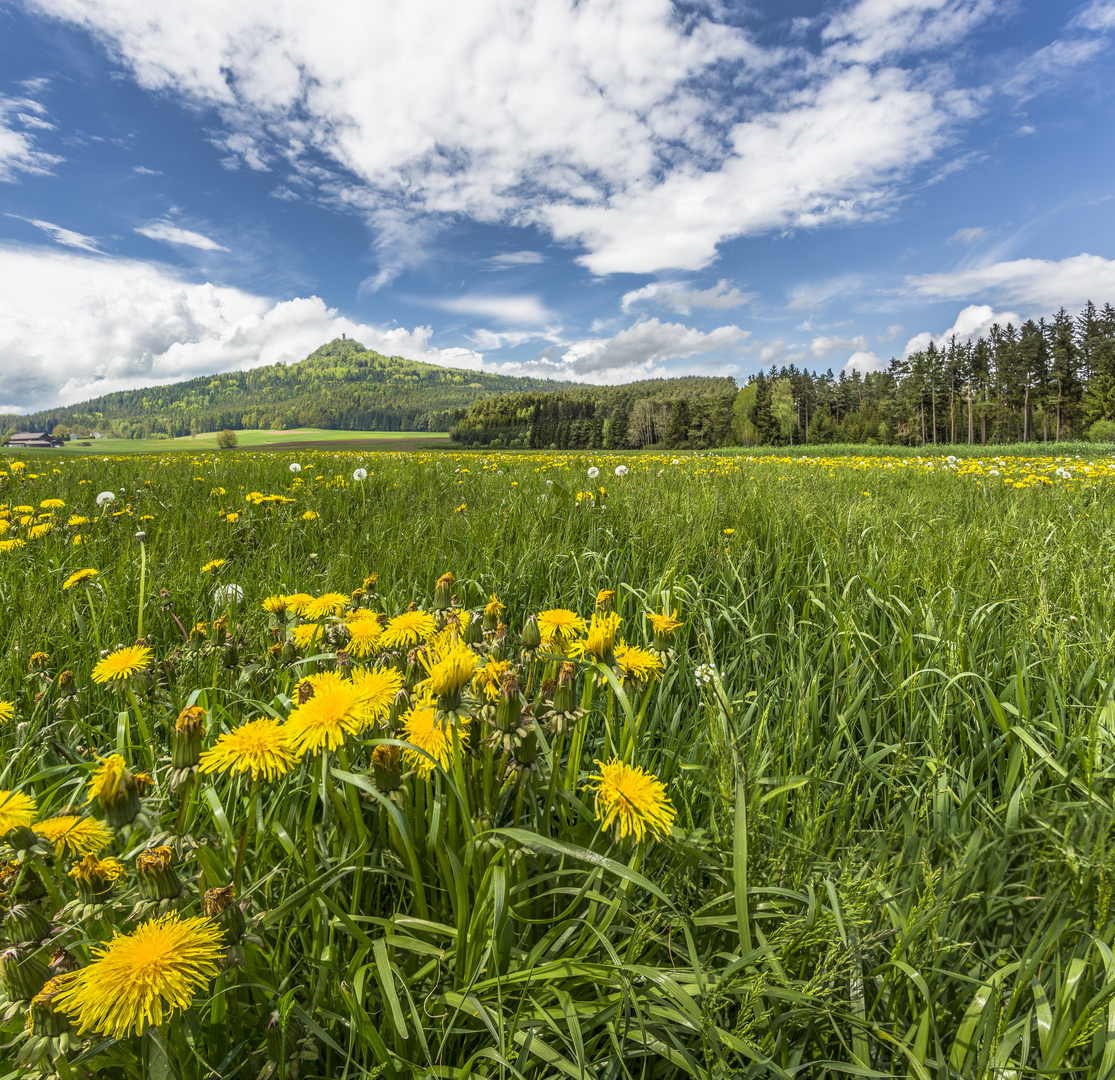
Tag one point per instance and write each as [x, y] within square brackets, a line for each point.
[1048, 380]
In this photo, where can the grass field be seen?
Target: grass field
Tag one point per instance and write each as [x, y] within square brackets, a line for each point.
[884, 735]
[295, 437]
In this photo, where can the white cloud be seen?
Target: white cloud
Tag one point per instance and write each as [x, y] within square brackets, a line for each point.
[511, 310]
[1034, 284]
[1099, 15]
[823, 346]
[968, 236]
[173, 234]
[865, 361]
[60, 235]
[18, 153]
[1052, 63]
[817, 294]
[76, 326]
[682, 297]
[973, 322]
[144, 171]
[517, 258]
[645, 133]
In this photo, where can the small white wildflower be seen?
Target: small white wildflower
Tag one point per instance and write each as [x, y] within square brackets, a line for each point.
[105, 498]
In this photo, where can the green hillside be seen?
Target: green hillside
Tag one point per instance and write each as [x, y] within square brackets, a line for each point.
[341, 386]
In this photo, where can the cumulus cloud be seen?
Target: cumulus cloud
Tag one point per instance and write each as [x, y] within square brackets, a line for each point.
[18, 152]
[683, 297]
[639, 349]
[824, 346]
[60, 235]
[973, 322]
[1034, 284]
[865, 361]
[645, 133]
[172, 234]
[74, 326]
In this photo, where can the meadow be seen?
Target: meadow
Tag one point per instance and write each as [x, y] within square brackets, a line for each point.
[537, 765]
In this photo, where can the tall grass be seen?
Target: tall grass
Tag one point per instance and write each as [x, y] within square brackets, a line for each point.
[894, 796]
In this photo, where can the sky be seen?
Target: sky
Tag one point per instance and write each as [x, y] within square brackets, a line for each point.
[602, 190]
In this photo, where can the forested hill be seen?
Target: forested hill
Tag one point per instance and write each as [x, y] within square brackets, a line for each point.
[342, 385]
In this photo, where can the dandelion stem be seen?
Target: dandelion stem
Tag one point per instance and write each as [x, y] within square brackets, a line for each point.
[142, 585]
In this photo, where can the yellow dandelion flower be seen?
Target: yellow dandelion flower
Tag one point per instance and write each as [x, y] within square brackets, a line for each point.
[261, 747]
[559, 627]
[305, 635]
[73, 836]
[487, 681]
[275, 605]
[331, 603]
[51, 504]
[41, 530]
[604, 597]
[731, 532]
[310, 515]
[232, 518]
[7, 711]
[11, 545]
[75, 520]
[213, 564]
[421, 729]
[407, 629]
[631, 801]
[144, 977]
[460, 509]
[109, 779]
[665, 624]
[78, 577]
[451, 672]
[15, 809]
[493, 607]
[323, 721]
[377, 688]
[297, 602]
[39, 659]
[638, 664]
[122, 664]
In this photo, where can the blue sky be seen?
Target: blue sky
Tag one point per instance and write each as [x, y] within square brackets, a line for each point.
[601, 191]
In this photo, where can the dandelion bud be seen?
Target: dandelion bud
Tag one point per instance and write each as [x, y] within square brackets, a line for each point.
[20, 838]
[289, 652]
[509, 708]
[156, 875]
[114, 787]
[399, 707]
[25, 922]
[473, 632]
[443, 593]
[44, 1020]
[526, 753]
[23, 974]
[220, 904]
[386, 762]
[189, 731]
[531, 636]
[565, 689]
[20, 883]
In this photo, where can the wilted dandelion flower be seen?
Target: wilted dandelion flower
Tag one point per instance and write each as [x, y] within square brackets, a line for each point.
[558, 627]
[631, 801]
[105, 498]
[488, 679]
[331, 603]
[213, 564]
[407, 629]
[261, 747]
[360, 474]
[72, 835]
[605, 597]
[122, 664]
[15, 809]
[142, 978]
[600, 638]
[421, 729]
[665, 624]
[78, 577]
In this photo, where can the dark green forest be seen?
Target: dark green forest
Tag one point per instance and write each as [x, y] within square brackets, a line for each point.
[342, 385]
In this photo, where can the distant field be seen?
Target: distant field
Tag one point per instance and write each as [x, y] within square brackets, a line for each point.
[294, 439]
